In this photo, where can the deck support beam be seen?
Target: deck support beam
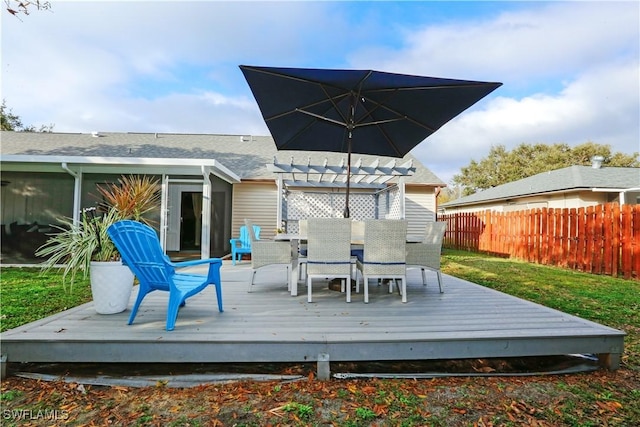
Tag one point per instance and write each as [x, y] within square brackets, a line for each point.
[324, 370]
[610, 361]
[3, 366]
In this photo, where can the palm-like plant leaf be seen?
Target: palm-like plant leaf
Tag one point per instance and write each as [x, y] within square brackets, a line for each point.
[79, 243]
[132, 196]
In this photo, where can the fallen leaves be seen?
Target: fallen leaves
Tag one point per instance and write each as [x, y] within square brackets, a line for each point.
[483, 402]
[611, 406]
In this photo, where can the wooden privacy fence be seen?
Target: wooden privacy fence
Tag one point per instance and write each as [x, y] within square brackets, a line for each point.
[602, 239]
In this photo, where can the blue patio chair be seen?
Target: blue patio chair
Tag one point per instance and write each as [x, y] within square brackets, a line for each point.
[242, 245]
[140, 250]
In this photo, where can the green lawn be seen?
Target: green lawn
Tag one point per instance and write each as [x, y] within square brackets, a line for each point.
[27, 295]
[606, 300]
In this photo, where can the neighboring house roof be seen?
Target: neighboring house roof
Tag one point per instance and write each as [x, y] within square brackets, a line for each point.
[245, 155]
[572, 178]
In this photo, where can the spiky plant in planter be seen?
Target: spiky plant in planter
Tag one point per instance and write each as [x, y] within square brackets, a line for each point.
[79, 243]
[134, 197]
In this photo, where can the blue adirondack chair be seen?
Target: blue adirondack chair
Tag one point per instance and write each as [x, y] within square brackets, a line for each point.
[242, 245]
[140, 249]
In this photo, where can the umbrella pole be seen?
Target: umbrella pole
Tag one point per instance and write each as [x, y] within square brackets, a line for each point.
[346, 204]
[350, 127]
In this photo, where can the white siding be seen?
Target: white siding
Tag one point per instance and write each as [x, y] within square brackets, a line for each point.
[420, 208]
[557, 201]
[257, 202]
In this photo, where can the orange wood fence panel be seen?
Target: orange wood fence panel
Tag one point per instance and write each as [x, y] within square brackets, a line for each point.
[601, 239]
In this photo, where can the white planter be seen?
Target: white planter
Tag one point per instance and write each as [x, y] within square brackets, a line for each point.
[111, 284]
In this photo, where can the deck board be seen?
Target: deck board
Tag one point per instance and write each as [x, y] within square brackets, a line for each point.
[268, 325]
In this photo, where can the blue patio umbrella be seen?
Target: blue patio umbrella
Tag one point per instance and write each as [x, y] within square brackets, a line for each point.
[357, 111]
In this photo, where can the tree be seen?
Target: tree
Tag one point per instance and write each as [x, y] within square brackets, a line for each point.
[502, 166]
[11, 121]
[449, 193]
[24, 7]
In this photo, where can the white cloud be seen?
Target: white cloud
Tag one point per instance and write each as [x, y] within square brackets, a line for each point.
[602, 105]
[570, 69]
[564, 81]
[536, 42]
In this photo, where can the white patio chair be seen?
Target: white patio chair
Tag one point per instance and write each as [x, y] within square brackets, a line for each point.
[384, 253]
[426, 255]
[268, 252]
[329, 252]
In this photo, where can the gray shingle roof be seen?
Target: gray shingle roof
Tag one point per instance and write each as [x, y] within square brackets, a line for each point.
[244, 155]
[566, 179]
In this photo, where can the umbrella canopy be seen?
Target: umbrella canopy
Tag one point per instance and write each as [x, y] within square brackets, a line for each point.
[357, 111]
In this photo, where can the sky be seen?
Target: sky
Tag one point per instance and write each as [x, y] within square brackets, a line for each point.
[570, 70]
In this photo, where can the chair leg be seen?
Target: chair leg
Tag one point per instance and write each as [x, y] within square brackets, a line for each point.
[348, 280]
[366, 289]
[424, 277]
[175, 300]
[439, 280]
[233, 258]
[136, 305]
[309, 283]
[355, 277]
[404, 289]
[392, 283]
[218, 286]
[253, 276]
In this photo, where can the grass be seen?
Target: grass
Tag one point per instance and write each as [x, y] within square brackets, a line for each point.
[26, 295]
[587, 399]
[606, 300]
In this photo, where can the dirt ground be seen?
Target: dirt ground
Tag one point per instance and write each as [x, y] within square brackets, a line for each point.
[512, 392]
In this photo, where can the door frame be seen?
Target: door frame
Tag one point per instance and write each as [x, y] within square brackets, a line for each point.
[169, 211]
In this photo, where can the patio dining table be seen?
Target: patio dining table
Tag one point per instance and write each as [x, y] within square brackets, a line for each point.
[357, 242]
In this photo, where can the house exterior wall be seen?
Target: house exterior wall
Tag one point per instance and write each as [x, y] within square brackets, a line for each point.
[256, 201]
[420, 207]
[576, 199]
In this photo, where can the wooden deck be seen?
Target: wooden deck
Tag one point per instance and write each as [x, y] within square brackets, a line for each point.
[269, 325]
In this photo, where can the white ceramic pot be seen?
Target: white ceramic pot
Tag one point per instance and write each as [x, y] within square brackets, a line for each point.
[111, 285]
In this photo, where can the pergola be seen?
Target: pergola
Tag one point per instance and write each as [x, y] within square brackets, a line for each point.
[308, 190]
